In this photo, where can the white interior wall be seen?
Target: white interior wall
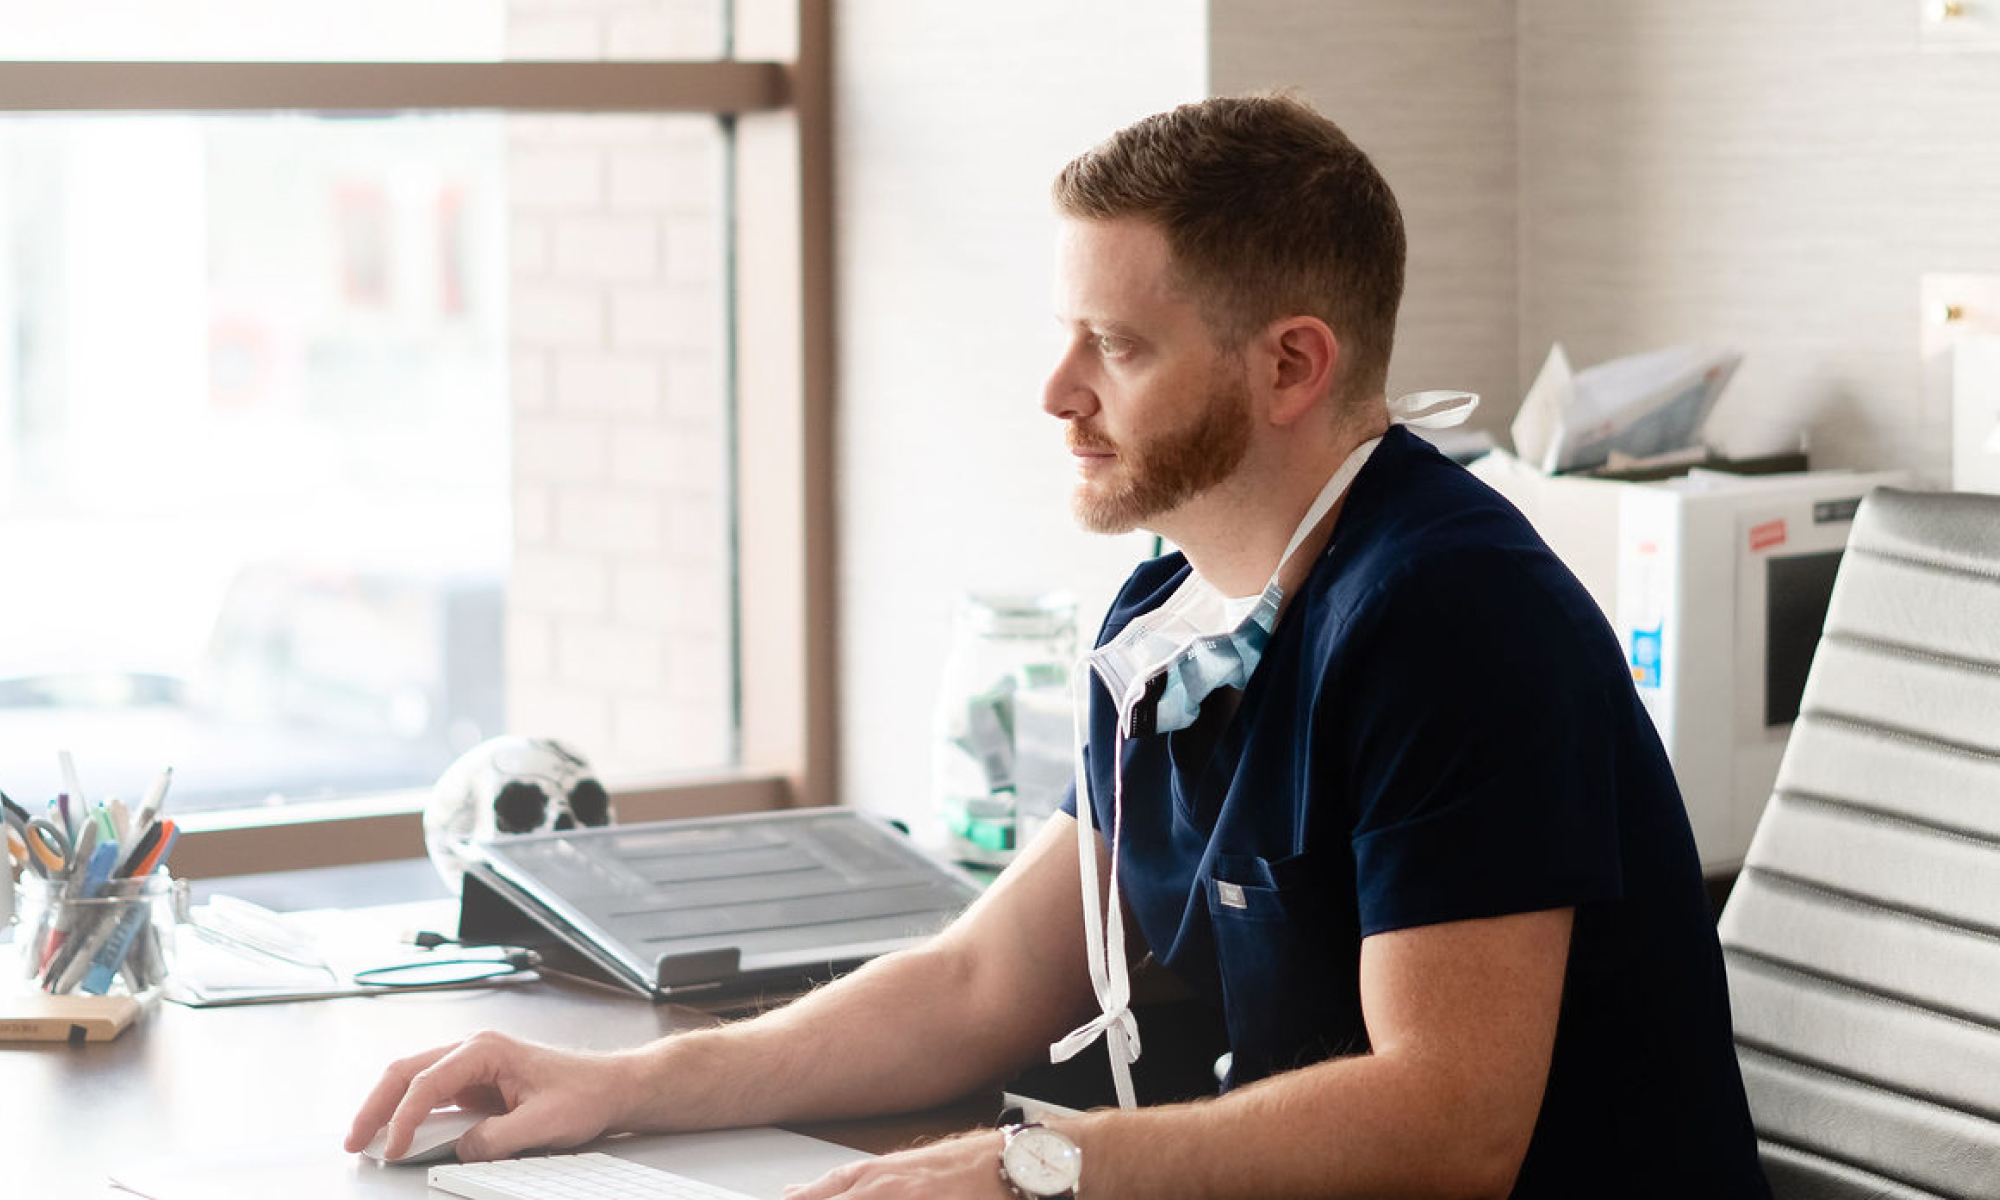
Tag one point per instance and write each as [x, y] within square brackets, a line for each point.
[947, 133]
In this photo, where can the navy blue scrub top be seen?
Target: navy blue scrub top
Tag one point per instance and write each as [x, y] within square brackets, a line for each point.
[1441, 728]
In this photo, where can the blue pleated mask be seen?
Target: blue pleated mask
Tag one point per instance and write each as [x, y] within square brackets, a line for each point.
[1164, 663]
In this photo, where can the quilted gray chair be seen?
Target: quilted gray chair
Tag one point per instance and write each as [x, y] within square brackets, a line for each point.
[1863, 937]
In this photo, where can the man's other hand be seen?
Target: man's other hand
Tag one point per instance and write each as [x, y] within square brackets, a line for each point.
[966, 1167]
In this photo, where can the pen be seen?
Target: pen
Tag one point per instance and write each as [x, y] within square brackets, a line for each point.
[168, 831]
[145, 845]
[58, 921]
[90, 929]
[97, 873]
[142, 959]
[70, 779]
[107, 827]
[67, 882]
[66, 967]
[149, 804]
[83, 849]
[156, 792]
[95, 967]
[48, 858]
[93, 955]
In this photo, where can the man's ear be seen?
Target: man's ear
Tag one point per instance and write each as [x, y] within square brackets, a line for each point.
[1301, 357]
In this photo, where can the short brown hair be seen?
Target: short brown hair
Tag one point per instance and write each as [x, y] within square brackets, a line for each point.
[1269, 211]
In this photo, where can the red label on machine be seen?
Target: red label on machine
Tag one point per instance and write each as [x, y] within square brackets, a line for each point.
[1766, 536]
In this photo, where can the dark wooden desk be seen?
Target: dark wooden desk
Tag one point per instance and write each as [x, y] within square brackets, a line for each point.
[223, 1082]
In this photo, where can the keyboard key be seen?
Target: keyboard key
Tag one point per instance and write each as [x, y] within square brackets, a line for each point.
[572, 1177]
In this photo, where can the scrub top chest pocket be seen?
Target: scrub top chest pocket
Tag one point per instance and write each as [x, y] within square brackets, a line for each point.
[1287, 951]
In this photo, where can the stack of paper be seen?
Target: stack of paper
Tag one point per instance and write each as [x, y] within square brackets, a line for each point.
[1640, 408]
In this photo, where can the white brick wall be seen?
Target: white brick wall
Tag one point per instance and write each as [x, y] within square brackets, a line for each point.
[614, 28]
[600, 246]
[558, 450]
[555, 177]
[590, 382]
[618, 614]
[548, 314]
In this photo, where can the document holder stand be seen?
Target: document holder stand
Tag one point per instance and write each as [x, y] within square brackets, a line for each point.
[692, 908]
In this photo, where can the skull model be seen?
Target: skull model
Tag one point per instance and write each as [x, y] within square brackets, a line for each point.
[509, 785]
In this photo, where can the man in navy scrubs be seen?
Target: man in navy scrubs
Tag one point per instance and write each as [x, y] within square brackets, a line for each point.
[1364, 768]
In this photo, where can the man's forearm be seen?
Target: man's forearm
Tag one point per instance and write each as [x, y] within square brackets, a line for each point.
[1363, 1126]
[1461, 1017]
[906, 1032]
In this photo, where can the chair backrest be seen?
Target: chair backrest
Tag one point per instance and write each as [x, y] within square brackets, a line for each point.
[1863, 937]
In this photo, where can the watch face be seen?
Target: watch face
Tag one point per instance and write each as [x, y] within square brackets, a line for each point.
[1042, 1162]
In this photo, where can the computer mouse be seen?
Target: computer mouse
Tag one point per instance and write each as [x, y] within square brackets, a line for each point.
[435, 1139]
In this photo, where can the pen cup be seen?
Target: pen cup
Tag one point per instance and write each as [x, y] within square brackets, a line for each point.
[119, 939]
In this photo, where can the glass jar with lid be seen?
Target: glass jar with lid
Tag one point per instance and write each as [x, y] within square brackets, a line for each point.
[1003, 732]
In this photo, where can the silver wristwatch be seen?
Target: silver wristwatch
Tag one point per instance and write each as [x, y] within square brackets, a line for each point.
[1037, 1163]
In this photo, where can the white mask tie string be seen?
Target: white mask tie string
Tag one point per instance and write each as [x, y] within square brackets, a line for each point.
[1103, 925]
[1128, 681]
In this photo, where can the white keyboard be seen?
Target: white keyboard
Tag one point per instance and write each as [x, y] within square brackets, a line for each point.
[572, 1177]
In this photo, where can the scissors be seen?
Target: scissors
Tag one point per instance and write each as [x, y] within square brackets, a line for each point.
[47, 843]
[48, 846]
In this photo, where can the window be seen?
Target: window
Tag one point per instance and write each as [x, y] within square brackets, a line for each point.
[354, 411]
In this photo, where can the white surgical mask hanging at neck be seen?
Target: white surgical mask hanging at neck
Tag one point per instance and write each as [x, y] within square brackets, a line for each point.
[1158, 670]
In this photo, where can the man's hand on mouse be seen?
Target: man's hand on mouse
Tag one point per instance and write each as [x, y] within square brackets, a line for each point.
[542, 1098]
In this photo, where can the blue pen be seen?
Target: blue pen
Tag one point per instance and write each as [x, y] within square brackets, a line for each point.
[103, 859]
[91, 925]
[83, 928]
[111, 955]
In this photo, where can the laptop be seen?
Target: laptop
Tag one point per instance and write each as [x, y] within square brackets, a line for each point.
[690, 909]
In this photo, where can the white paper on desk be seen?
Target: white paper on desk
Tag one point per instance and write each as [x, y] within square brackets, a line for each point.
[306, 1169]
[323, 950]
[759, 1162]
[1642, 406]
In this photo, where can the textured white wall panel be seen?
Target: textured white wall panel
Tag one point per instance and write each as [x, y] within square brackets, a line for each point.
[1428, 90]
[1776, 176]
